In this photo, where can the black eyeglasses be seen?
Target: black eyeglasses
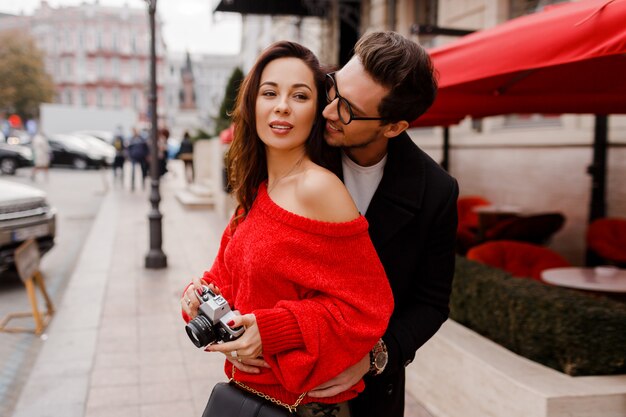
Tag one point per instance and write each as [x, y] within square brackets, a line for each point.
[344, 109]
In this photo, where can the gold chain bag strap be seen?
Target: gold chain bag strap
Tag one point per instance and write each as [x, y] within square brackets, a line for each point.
[236, 399]
[290, 408]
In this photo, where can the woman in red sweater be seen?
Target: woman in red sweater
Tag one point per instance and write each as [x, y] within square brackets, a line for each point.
[296, 259]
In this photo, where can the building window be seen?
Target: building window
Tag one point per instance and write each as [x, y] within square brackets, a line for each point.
[83, 98]
[519, 8]
[426, 11]
[68, 67]
[136, 100]
[116, 98]
[100, 98]
[68, 97]
[115, 64]
[100, 67]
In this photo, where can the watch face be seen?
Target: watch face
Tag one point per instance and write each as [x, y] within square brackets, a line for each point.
[381, 360]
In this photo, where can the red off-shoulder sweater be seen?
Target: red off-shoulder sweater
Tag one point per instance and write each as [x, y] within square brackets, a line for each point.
[318, 291]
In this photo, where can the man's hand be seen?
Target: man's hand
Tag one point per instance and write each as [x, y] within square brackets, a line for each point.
[343, 381]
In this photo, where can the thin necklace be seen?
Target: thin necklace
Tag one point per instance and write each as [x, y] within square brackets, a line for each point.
[282, 177]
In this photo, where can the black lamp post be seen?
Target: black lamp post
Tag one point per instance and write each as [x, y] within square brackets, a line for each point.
[155, 258]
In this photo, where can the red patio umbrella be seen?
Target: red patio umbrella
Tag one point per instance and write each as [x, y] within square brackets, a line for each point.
[568, 58]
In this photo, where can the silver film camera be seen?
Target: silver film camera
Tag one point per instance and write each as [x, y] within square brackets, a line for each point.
[210, 326]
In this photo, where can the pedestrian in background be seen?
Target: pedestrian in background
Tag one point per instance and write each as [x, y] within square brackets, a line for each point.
[296, 258]
[41, 151]
[185, 154]
[120, 156]
[163, 137]
[138, 153]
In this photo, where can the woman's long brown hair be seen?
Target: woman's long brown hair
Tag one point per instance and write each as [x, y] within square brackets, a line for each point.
[247, 163]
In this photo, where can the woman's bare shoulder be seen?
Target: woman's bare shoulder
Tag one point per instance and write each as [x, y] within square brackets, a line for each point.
[324, 197]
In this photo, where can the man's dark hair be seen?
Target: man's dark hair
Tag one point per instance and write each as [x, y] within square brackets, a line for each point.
[405, 68]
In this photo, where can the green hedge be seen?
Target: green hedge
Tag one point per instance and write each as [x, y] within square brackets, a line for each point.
[571, 331]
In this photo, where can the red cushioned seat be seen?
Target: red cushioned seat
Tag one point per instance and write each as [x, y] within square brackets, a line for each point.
[607, 239]
[518, 258]
[468, 218]
[467, 229]
[537, 229]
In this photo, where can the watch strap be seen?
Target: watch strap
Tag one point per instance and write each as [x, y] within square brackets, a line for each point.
[380, 348]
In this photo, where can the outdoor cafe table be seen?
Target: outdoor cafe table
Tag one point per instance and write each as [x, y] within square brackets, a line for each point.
[591, 279]
[488, 216]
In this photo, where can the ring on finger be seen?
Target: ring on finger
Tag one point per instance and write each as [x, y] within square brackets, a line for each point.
[188, 301]
[233, 354]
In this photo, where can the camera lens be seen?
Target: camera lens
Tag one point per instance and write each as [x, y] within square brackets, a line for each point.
[200, 331]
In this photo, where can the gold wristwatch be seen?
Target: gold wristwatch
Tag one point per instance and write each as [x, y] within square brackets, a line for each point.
[378, 358]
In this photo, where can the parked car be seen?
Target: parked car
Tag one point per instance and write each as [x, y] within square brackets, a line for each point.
[74, 151]
[13, 157]
[103, 135]
[97, 145]
[18, 137]
[24, 214]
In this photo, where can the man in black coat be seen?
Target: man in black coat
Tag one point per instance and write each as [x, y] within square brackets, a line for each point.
[408, 200]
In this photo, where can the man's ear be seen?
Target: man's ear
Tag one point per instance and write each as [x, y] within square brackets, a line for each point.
[394, 129]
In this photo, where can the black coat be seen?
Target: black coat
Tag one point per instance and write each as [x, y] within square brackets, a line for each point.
[412, 223]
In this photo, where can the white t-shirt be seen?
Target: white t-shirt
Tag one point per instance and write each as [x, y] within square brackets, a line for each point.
[360, 181]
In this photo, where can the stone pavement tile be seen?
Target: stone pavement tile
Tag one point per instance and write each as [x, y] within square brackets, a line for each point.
[162, 357]
[127, 332]
[110, 344]
[123, 306]
[164, 392]
[121, 411]
[116, 359]
[62, 368]
[179, 408]
[101, 377]
[113, 396]
[123, 325]
[53, 391]
[413, 408]
[156, 373]
[56, 410]
[160, 342]
[62, 345]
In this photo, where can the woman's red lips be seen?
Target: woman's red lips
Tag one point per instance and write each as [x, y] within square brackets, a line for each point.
[280, 124]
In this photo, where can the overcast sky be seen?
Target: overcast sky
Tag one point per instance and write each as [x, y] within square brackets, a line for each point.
[188, 24]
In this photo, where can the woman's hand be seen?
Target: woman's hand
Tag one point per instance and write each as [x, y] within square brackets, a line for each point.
[248, 348]
[189, 302]
[251, 366]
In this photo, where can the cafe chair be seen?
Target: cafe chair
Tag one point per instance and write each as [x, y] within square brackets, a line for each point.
[468, 218]
[520, 259]
[467, 229]
[537, 229]
[606, 241]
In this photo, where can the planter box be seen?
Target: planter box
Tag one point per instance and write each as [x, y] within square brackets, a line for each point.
[460, 373]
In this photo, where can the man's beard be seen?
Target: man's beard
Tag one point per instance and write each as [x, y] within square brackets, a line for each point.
[361, 144]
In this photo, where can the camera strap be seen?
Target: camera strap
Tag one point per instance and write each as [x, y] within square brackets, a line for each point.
[290, 408]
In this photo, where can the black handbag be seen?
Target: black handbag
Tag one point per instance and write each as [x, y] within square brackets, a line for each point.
[235, 399]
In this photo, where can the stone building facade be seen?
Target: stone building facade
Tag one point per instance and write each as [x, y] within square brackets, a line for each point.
[98, 56]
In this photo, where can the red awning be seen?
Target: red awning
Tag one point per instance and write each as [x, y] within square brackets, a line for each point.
[569, 58]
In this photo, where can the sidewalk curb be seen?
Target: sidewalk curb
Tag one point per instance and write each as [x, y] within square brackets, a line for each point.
[59, 381]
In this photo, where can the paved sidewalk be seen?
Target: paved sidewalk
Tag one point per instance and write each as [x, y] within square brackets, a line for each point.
[117, 346]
